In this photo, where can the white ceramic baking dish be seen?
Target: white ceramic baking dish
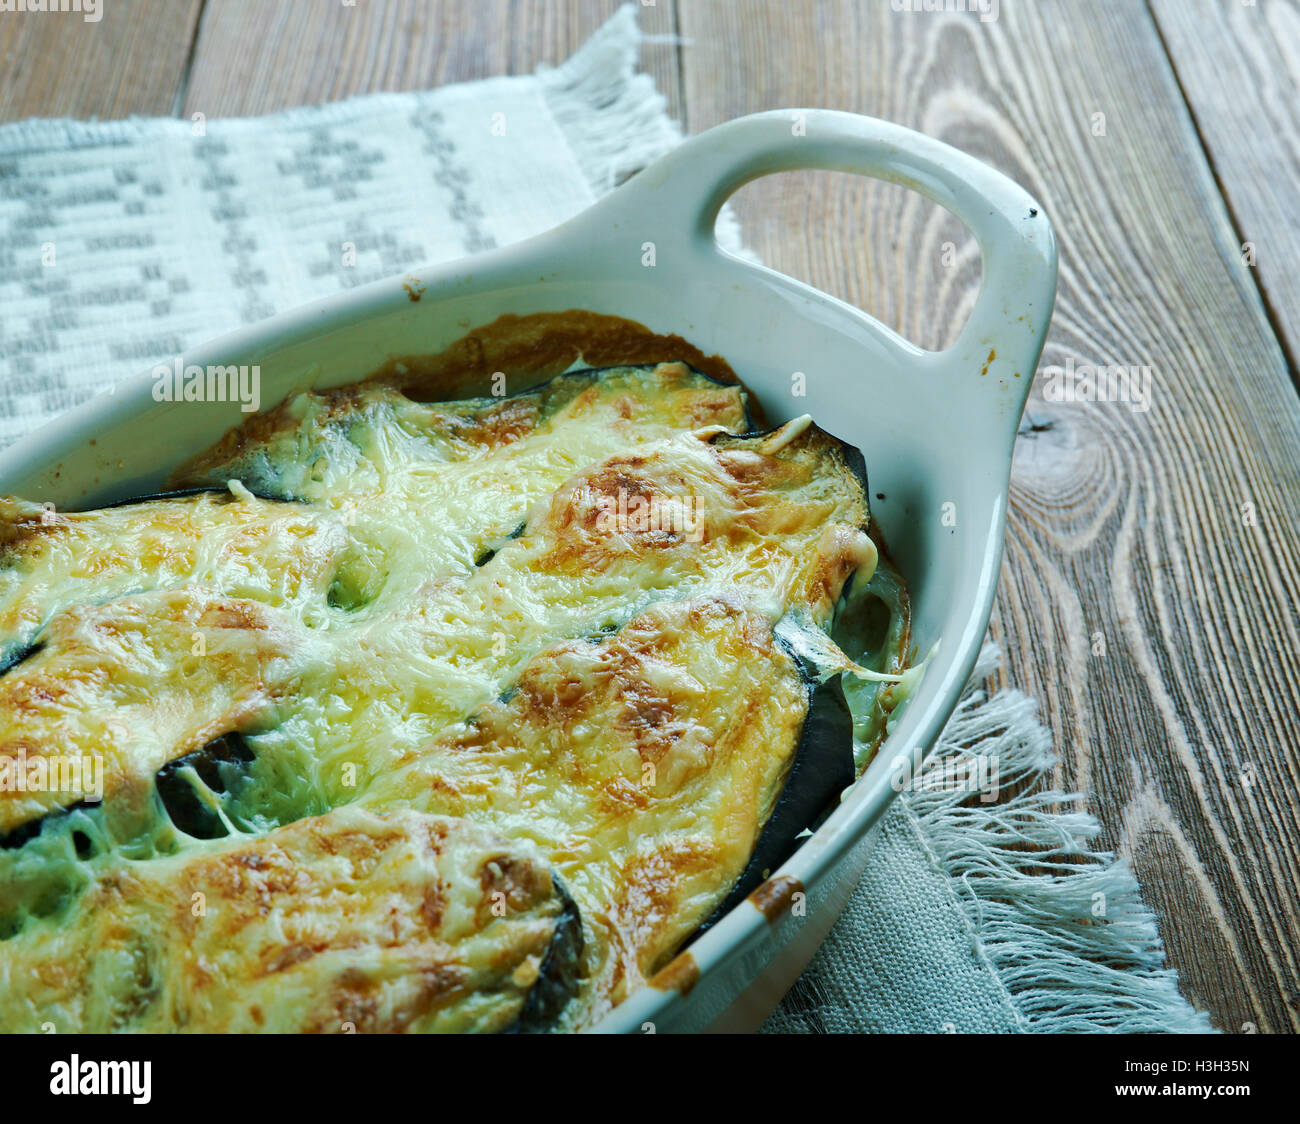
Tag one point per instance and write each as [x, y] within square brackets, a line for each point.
[936, 428]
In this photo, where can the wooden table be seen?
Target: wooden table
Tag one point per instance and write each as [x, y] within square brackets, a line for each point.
[1152, 571]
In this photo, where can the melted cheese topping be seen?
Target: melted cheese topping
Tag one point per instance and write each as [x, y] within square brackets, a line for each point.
[346, 922]
[129, 684]
[552, 615]
[645, 763]
[278, 554]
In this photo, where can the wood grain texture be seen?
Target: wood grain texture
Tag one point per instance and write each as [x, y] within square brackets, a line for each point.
[1239, 68]
[254, 57]
[1130, 534]
[131, 60]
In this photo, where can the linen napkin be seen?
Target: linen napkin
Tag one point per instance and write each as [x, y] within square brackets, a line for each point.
[126, 242]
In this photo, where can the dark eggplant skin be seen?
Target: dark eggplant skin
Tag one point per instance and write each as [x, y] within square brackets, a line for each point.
[180, 494]
[183, 807]
[487, 556]
[187, 812]
[857, 464]
[822, 769]
[557, 980]
[16, 655]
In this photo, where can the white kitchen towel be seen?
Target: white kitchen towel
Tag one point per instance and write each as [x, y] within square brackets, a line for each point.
[126, 242]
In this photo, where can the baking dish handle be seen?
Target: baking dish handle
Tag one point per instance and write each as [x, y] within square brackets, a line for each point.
[1003, 337]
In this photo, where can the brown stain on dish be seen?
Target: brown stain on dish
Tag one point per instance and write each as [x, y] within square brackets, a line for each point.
[414, 288]
[539, 346]
[989, 361]
[773, 897]
[534, 348]
[680, 975]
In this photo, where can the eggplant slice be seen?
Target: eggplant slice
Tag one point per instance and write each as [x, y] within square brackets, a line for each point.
[671, 761]
[595, 373]
[15, 655]
[335, 430]
[560, 974]
[822, 769]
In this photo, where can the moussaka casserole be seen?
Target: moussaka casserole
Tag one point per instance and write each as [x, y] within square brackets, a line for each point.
[433, 716]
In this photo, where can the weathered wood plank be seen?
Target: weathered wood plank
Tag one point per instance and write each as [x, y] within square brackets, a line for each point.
[254, 57]
[132, 59]
[1239, 68]
[1130, 532]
